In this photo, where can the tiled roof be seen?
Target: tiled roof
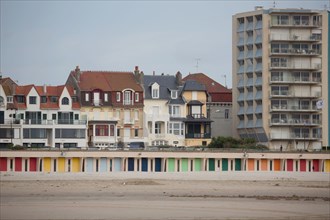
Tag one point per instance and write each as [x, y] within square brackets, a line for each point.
[107, 81]
[218, 92]
[211, 85]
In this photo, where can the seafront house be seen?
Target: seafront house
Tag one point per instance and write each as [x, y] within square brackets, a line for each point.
[42, 116]
[164, 110]
[197, 121]
[281, 76]
[112, 103]
[219, 104]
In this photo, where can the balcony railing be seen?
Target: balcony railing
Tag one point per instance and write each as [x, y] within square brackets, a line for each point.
[288, 65]
[196, 116]
[128, 102]
[198, 135]
[293, 37]
[54, 122]
[295, 52]
[97, 102]
[297, 122]
[129, 121]
[292, 79]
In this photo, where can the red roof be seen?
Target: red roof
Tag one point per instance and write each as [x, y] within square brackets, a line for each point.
[107, 81]
[218, 92]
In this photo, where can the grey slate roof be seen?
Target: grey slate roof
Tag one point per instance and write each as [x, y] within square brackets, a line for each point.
[166, 84]
[191, 85]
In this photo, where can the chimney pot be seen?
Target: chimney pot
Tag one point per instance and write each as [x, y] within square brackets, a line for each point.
[45, 88]
[136, 68]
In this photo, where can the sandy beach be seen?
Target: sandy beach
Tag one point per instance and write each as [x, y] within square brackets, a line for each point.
[239, 195]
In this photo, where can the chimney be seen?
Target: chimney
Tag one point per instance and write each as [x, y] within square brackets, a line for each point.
[45, 88]
[153, 73]
[178, 78]
[257, 8]
[14, 89]
[78, 73]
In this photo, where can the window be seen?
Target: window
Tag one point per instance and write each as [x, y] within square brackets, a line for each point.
[87, 97]
[157, 128]
[106, 97]
[175, 128]
[44, 116]
[112, 130]
[53, 99]
[136, 97]
[127, 98]
[9, 99]
[194, 95]
[69, 133]
[53, 116]
[155, 93]
[226, 113]
[1, 100]
[32, 100]
[136, 114]
[65, 101]
[136, 132]
[101, 130]
[118, 96]
[76, 116]
[20, 99]
[43, 99]
[118, 132]
[174, 111]
[174, 94]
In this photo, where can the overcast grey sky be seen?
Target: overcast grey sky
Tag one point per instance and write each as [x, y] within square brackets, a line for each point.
[42, 41]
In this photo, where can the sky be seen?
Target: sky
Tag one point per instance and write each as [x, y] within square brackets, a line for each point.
[42, 41]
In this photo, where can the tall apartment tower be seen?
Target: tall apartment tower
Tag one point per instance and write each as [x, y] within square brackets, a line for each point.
[281, 76]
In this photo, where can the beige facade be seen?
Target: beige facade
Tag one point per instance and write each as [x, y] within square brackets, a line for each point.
[198, 125]
[280, 77]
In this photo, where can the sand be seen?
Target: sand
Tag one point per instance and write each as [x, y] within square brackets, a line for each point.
[239, 195]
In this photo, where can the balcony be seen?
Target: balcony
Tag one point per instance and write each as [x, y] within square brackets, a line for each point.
[258, 53]
[295, 122]
[240, 41]
[250, 124]
[240, 27]
[249, 40]
[249, 26]
[54, 122]
[258, 81]
[258, 67]
[196, 116]
[240, 55]
[296, 24]
[129, 121]
[162, 117]
[295, 66]
[258, 109]
[258, 24]
[240, 83]
[249, 96]
[258, 39]
[296, 52]
[249, 110]
[294, 80]
[240, 69]
[241, 124]
[294, 38]
[240, 111]
[240, 97]
[249, 68]
[97, 102]
[294, 108]
[128, 102]
[249, 54]
[258, 123]
[198, 135]
[249, 82]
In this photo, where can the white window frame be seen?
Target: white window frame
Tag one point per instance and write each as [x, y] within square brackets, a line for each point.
[136, 97]
[174, 94]
[127, 100]
[87, 97]
[155, 93]
[106, 97]
[174, 113]
[10, 99]
[118, 96]
[194, 95]
[176, 131]
[136, 114]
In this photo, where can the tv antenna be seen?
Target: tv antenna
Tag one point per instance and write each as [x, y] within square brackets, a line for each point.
[197, 61]
[225, 76]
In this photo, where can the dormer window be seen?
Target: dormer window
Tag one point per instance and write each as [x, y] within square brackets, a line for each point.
[53, 99]
[32, 100]
[118, 96]
[127, 98]
[9, 99]
[2, 100]
[20, 99]
[136, 97]
[87, 97]
[65, 101]
[155, 93]
[43, 99]
[174, 94]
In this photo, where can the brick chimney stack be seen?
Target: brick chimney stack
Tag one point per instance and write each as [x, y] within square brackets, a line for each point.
[178, 78]
[78, 73]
